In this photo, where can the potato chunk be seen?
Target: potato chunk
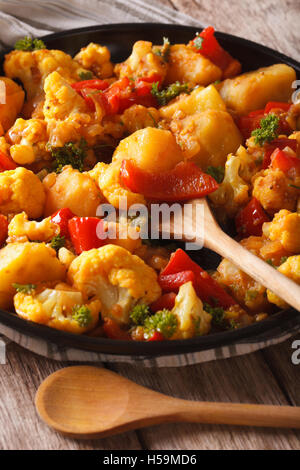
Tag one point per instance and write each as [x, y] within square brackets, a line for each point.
[151, 149]
[251, 91]
[201, 99]
[14, 99]
[186, 65]
[207, 138]
[74, 190]
[21, 190]
[26, 263]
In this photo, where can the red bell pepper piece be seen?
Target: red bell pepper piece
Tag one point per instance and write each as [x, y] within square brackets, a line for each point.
[155, 77]
[247, 124]
[185, 181]
[6, 163]
[3, 228]
[94, 84]
[285, 162]
[213, 50]
[157, 336]
[87, 88]
[120, 95]
[206, 287]
[165, 301]
[61, 218]
[84, 233]
[277, 105]
[278, 143]
[113, 331]
[250, 219]
[172, 282]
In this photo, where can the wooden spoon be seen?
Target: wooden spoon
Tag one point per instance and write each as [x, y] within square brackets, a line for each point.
[215, 239]
[86, 402]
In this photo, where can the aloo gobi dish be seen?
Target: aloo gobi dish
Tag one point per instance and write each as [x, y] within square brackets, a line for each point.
[170, 123]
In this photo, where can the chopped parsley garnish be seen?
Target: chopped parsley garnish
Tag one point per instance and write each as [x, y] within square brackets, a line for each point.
[217, 172]
[294, 186]
[70, 154]
[165, 322]
[164, 51]
[58, 242]
[85, 75]
[24, 288]
[82, 315]
[233, 324]
[283, 259]
[197, 42]
[29, 44]
[217, 313]
[267, 131]
[270, 262]
[170, 92]
[138, 314]
[251, 295]
[153, 119]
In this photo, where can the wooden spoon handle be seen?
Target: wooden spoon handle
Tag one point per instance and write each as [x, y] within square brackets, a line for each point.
[239, 414]
[258, 269]
[215, 239]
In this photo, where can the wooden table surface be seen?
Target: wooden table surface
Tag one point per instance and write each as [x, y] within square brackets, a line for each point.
[266, 376]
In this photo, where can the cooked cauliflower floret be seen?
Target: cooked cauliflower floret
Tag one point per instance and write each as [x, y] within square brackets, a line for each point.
[28, 139]
[285, 227]
[14, 98]
[186, 65]
[66, 256]
[66, 114]
[248, 293]
[138, 117]
[71, 189]
[207, 137]
[62, 308]
[233, 192]
[119, 279]
[21, 229]
[25, 263]
[274, 191]
[108, 180]
[123, 234]
[95, 58]
[192, 318]
[4, 146]
[33, 67]
[142, 62]
[151, 149]
[291, 269]
[21, 190]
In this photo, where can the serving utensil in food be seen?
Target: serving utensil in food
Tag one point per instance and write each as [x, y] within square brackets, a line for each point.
[89, 402]
[212, 236]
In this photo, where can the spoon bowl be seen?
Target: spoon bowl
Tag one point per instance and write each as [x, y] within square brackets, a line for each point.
[86, 402]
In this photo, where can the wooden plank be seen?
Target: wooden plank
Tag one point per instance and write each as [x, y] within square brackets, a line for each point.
[20, 426]
[279, 360]
[246, 379]
[258, 21]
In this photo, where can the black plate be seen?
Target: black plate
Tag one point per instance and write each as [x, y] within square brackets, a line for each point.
[119, 38]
